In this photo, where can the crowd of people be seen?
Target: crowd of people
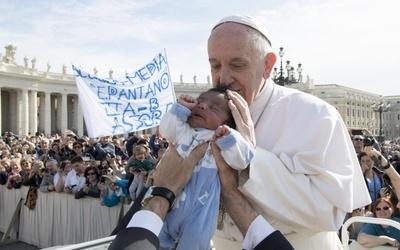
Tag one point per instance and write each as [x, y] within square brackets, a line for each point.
[380, 167]
[107, 168]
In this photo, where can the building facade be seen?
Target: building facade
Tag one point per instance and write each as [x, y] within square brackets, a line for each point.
[356, 109]
[44, 101]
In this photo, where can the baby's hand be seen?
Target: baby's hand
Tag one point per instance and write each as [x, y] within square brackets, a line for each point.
[221, 131]
[187, 101]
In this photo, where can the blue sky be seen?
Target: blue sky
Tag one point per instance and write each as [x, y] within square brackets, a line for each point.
[352, 43]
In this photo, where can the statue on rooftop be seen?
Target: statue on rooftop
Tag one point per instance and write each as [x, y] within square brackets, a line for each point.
[26, 62]
[33, 62]
[10, 52]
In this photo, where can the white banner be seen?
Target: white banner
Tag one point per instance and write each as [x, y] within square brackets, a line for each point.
[134, 102]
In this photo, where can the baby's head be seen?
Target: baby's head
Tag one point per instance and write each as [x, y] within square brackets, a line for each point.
[212, 110]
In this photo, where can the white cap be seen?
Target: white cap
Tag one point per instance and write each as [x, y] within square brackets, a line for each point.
[248, 21]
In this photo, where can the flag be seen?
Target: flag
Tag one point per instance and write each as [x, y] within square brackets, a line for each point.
[134, 102]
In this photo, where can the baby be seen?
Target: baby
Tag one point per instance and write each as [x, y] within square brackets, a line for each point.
[192, 221]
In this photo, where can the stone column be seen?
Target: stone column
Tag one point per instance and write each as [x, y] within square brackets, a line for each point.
[13, 111]
[47, 113]
[54, 114]
[24, 124]
[64, 112]
[33, 119]
[41, 112]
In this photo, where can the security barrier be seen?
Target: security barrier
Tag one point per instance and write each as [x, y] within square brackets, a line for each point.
[57, 219]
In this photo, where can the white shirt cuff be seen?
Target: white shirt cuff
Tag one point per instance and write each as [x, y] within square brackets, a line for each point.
[148, 220]
[259, 229]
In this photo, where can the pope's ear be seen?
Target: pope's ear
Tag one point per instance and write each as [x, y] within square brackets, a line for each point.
[270, 60]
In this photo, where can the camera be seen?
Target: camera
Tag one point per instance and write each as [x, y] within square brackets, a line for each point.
[102, 179]
[45, 170]
[368, 141]
[357, 132]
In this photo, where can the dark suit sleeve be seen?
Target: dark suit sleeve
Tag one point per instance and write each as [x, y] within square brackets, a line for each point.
[135, 238]
[274, 241]
[132, 210]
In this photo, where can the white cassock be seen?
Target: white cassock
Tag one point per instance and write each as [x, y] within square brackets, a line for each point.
[305, 175]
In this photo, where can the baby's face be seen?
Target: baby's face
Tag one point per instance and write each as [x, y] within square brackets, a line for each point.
[211, 111]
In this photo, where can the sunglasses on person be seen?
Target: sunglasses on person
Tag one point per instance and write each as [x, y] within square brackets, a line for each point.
[384, 208]
[357, 139]
[77, 147]
[91, 173]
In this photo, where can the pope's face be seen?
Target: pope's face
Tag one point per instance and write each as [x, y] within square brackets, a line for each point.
[236, 62]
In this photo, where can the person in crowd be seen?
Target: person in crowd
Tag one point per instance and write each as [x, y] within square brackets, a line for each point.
[395, 160]
[43, 152]
[154, 143]
[358, 136]
[110, 194]
[115, 162]
[104, 165]
[393, 183]
[373, 177]
[159, 155]
[144, 141]
[137, 181]
[188, 123]
[172, 176]
[358, 143]
[52, 165]
[99, 149]
[26, 165]
[354, 229]
[48, 174]
[14, 177]
[130, 143]
[35, 177]
[78, 150]
[119, 149]
[5, 169]
[75, 178]
[142, 165]
[5, 154]
[47, 184]
[67, 146]
[54, 152]
[16, 149]
[27, 149]
[372, 235]
[90, 188]
[61, 175]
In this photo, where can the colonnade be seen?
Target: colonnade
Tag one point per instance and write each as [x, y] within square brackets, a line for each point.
[26, 111]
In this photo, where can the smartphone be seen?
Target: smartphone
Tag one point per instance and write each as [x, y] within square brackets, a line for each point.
[357, 132]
